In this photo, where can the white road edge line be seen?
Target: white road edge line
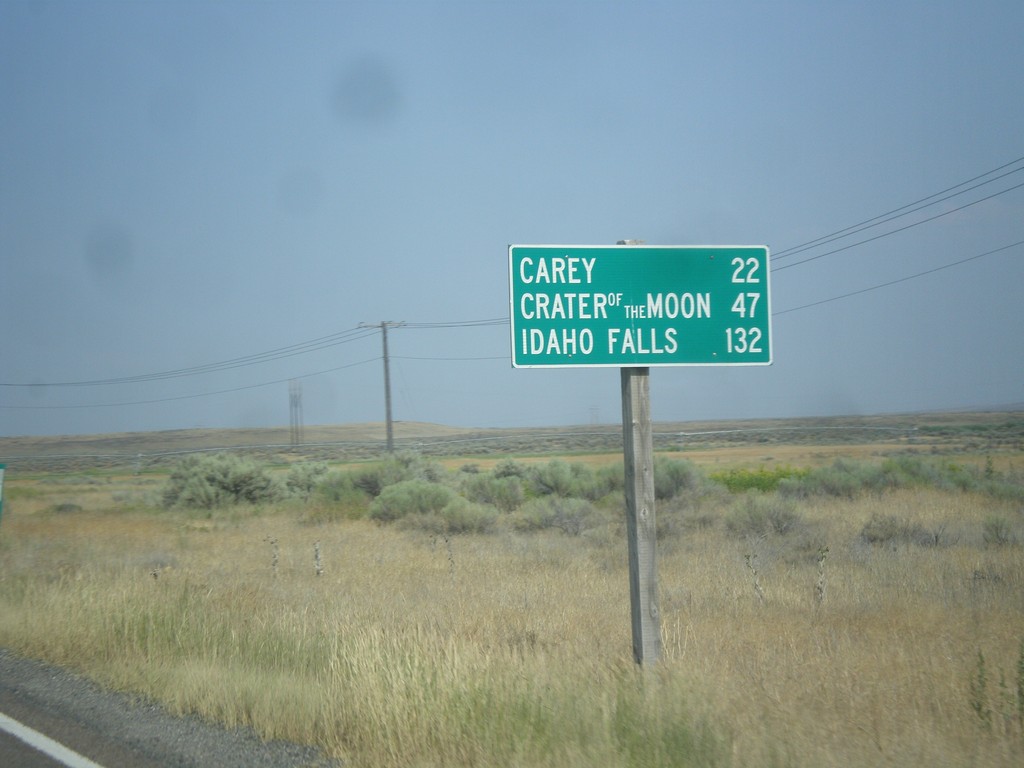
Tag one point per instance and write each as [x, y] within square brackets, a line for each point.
[44, 744]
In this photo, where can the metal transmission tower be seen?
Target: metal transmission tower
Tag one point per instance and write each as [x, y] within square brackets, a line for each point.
[295, 411]
[384, 325]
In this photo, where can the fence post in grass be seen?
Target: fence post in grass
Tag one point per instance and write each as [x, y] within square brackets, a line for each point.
[2, 468]
[638, 452]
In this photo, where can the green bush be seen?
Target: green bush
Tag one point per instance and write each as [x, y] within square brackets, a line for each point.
[462, 516]
[505, 493]
[594, 484]
[914, 471]
[217, 480]
[674, 476]
[997, 531]
[758, 514]
[303, 479]
[847, 479]
[891, 530]
[762, 479]
[457, 516]
[697, 509]
[884, 529]
[1007, 489]
[65, 508]
[843, 479]
[510, 468]
[410, 497]
[553, 478]
[560, 478]
[337, 497]
[400, 467]
[613, 477]
[571, 516]
[337, 485]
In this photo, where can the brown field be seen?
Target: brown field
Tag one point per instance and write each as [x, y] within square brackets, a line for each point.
[513, 648]
[751, 442]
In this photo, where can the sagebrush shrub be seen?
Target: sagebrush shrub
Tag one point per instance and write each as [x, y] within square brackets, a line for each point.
[400, 467]
[65, 508]
[674, 476]
[337, 485]
[457, 516]
[506, 492]
[215, 480]
[593, 484]
[571, 516]
[410, 497]
[848, 479]
[337, 497]
[462, 516]
[889, 529]
[553, 478]
[303, 479]
[882, 529]
[909, 471]
[560, 478]
[997, 531]
[757, 514]
[509, 468]
[843, 479]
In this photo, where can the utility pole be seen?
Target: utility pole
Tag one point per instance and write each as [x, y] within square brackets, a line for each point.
[295, 411]
[384, 325]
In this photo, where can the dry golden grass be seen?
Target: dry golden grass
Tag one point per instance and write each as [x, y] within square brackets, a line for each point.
[879, 673]
[514, 649]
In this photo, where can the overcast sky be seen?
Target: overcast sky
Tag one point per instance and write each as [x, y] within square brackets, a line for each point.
[228, 190]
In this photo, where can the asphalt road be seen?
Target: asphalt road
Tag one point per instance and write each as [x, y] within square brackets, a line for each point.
[84, 741]
[17, 754]
[118, 731]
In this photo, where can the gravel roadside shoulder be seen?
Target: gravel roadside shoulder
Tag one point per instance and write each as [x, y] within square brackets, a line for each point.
[143, 727]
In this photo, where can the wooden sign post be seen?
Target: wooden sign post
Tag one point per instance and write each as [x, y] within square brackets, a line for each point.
[638, 453]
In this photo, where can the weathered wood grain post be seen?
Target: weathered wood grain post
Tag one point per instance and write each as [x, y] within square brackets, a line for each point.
[638, 454]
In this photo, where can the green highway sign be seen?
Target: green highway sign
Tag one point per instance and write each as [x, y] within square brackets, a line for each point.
[639, 305]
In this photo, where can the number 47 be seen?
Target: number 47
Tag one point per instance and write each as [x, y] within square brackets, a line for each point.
[746, 304]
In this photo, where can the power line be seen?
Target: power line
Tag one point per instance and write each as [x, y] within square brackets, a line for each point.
[187, 397]
[448, 359]
[900, 280]
[888, 215]
[292, 350]
[885, 219]
[894, 231]
[460, 323]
